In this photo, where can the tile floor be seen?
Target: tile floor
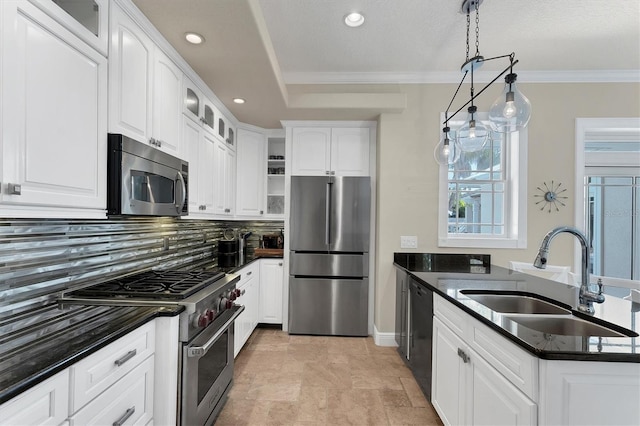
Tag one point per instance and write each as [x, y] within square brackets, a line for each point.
[314, 380]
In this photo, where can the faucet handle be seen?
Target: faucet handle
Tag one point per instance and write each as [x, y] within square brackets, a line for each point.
[600, 286]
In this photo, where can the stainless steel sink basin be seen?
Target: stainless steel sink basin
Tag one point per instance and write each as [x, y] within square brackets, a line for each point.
[515, 303]
[568, 325]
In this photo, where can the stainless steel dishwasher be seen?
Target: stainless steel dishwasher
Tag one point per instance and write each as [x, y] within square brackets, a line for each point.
[420, 334]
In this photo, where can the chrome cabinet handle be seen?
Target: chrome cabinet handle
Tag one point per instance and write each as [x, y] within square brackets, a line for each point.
[14, 189]
[463, 355]
[249, 273]
[125, 416]
[227, 210]
[280, 264]
[125, 358]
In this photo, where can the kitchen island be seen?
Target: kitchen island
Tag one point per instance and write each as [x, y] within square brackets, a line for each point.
[489, 367]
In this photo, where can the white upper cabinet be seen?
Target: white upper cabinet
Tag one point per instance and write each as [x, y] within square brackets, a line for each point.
[88, 20]
[145, 87]
[196, 106]
[330, 151]
[311, 151]
[54, 110]
[250, 173]
[350, 151]
[199, 147]
[224, 165]
[130, 65]
[167, 104]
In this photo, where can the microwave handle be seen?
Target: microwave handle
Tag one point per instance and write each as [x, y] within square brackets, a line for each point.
[184, 192]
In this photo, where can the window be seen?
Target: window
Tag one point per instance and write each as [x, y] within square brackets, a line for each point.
[607, 206]
[482, 196]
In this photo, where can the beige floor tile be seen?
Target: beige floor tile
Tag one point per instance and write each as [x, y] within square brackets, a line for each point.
[424, 416]
[274, 391]
[414, 392]
[331, 376]
[355, 407]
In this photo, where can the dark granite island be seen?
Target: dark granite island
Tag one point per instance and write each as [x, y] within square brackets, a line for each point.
[489, 367]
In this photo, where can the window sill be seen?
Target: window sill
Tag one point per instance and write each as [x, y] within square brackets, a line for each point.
[482, 243]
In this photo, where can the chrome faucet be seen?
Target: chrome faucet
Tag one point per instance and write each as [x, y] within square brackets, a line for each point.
[586, 297]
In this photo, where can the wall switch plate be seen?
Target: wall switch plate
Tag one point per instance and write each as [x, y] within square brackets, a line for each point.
[410, 241]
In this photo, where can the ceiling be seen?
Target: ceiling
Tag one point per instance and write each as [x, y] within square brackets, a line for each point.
[291, 59]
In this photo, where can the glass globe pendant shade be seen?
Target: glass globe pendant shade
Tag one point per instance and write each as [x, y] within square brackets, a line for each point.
[473, 135]
[512, 110]
[446, 151]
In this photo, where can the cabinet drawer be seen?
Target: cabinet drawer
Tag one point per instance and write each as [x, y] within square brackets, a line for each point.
[92, 375]
[516, 364]
[44, 404]
[455, 318]
[130, 401]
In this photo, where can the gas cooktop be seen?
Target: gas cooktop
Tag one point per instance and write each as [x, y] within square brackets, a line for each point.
[154, 285]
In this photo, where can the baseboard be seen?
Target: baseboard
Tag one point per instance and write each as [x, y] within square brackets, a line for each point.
[384, 339]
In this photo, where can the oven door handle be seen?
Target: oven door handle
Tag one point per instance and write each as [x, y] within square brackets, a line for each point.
[200, 351]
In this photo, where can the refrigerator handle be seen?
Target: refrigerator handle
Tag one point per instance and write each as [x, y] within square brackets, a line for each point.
[327, 224]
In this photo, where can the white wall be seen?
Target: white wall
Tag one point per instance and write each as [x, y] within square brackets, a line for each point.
[408, 180]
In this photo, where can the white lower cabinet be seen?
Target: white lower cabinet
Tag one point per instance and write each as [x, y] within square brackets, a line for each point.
[47, 403]
[466, 388]
[129, 401]
[589, 393]
[271, 291]
[94, 374]
[247, 321]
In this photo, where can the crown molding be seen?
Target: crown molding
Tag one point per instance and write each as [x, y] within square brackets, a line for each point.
[567, 76]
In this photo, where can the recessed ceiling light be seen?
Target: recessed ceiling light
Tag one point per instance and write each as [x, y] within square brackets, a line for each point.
[354, 19]
[238, 100]
[194, 38]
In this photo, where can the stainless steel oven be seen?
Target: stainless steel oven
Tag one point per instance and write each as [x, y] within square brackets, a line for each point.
[206, 330]
[141, 180]
[207, 370]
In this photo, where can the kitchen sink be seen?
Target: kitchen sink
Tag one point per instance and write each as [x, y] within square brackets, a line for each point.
[568, 325]
[508, 303]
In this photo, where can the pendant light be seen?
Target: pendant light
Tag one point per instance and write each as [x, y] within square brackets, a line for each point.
[510, 112]
[447, 151]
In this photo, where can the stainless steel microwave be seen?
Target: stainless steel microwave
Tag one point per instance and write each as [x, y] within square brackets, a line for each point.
[144, 181]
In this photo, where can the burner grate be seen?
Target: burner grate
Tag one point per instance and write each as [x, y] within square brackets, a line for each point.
[154, 284]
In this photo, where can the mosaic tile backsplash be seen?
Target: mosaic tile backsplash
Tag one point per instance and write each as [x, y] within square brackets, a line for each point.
[39, 259]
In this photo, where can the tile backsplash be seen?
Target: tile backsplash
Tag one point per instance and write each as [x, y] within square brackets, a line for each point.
[41, 258]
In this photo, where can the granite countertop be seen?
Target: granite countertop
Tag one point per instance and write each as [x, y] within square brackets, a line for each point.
[449, 278]
[39, 343]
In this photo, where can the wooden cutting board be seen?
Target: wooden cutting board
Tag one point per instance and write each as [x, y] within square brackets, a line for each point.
[268, 252]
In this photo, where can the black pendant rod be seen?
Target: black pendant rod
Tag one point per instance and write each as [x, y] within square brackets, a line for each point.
[483, 89]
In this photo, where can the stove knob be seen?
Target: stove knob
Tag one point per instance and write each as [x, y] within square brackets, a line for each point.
[239, 292]
[229, 304]
[203, 320]
[222, 304]
[211, 314]
[233, 296]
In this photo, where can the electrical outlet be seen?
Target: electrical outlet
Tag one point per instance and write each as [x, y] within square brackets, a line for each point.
[410, 241]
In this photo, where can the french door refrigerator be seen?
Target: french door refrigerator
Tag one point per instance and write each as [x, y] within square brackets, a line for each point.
[329, 255]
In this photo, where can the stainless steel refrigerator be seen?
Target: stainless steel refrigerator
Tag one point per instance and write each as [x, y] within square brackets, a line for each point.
[329, 255]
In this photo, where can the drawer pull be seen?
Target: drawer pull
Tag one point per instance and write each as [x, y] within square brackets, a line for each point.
[125, 358]
[463, 355]
[248, 273]
[125, 416]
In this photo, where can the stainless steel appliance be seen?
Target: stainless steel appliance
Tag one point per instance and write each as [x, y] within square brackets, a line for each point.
[206, 329]
[329, 258]
[141, 180]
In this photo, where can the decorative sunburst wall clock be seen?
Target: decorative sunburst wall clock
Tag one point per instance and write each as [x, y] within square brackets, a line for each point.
[551, 197]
